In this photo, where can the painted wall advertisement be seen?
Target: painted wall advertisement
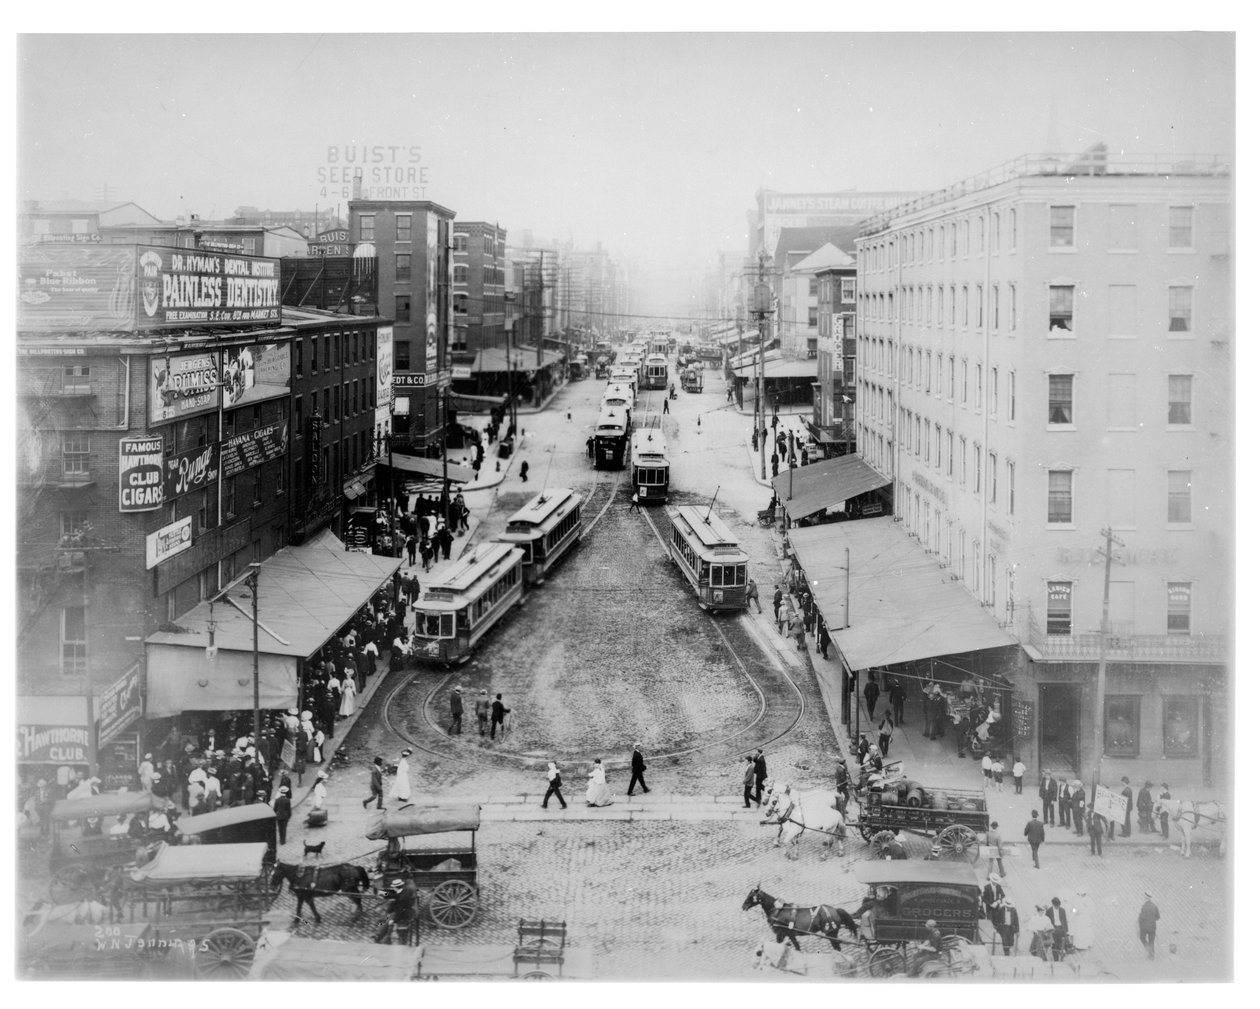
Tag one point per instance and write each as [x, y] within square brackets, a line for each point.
[54, 729]
[430, 296]
[192, 470]
[384, 377]
[253, 448]
[254, 373]
[142, 287]
[181, 385]
[140, 474]
[167, 542]
[119, 706]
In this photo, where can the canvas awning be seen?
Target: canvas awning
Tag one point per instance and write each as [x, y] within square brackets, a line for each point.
[283, 956]
[203, 861]
[306, 594]
[903, 605]
[424, 466]
[824, 484]
[427, 820]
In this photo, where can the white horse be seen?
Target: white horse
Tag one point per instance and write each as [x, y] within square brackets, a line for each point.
[1187, 814]
[798, 812]
[85, 912]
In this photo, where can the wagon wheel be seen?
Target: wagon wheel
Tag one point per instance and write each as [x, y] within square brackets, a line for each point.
[866, 832]
[453, 904]
[224, 953]
[885, 961]
[70, 884]
[959, 842]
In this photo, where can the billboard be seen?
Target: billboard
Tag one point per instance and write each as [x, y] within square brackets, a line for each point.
[253, 448]
[129, 287]
[181, 385]
[384, 377]
[167, 542]
[140, 474]
[431, 294]
[192, 470]
[119, 706]
[255, 372]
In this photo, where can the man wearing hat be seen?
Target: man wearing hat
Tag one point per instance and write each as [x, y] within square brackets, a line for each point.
[283, 807]
[1147, 917]
[1165, 801]
[377, 785]
[1035, 831]
[400, 909]
[991, 896]
[928, 949]
[482, 710]
[1127, 827]
[637, 766]
[1145, 805]
[457, 711]
[1057, 914]
[1006, 921]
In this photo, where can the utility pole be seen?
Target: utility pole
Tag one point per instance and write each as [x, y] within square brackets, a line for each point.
[1105, 630]
[761, 308]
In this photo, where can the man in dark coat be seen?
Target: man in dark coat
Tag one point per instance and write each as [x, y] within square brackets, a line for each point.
[1048, 791]
[1147, 917]
[497, 713]
[1006, 921]
[1096, 831]
[1078, 810]
[1065, 803]
[283, 807]
[1145, 804]
[376, 785]
[1127, 828]
[871, 693]
[991, 896]
[759, 773]
[637, 766]
[778, 608]
[897, 695]
[1035, 831]
[1163, 808]
[1057, 914]
[457, 712]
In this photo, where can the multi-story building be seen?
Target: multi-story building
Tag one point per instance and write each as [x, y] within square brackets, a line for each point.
[477, 282]
[1045, 361]
[411, 240]
[834, 395]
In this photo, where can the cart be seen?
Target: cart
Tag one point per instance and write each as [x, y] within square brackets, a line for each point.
[282, 956]
[206, 903]
[693, 380]
[447, 875]
[79, 863]
[231, 825]
[952, 817]
[902, 898]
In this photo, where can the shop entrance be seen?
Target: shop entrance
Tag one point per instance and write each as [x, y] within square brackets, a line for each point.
[1060, 728]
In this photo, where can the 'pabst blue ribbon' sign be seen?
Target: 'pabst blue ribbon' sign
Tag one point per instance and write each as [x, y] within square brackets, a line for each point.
[167, 542]
[140, 474]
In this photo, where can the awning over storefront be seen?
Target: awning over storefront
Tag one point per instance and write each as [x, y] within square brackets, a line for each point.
[305, 595]
[777, 366]
[425, 466]
[902, 604]
[524, 359]
[825, 484]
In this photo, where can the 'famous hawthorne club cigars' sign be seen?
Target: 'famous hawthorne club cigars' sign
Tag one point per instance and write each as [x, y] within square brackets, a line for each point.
[123, 288]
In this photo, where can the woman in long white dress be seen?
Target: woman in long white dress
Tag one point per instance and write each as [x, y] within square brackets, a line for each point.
[597, 793]
[348, 697]
[401, 788]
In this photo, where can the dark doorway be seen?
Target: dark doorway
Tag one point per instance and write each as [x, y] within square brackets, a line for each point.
[1060, 729]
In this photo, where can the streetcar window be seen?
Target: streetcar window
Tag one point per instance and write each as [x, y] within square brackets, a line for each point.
[432, 625]
[704, 571]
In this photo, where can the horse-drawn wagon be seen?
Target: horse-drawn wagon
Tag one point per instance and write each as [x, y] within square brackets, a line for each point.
[448, 875]
[951, 817]
[81, 860]
[231, 825]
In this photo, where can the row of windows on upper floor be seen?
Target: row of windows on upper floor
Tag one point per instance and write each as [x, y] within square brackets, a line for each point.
[331, 350]
[999, 230]
[963, 305]
[403, 233]
[962, 462]
[875, 401]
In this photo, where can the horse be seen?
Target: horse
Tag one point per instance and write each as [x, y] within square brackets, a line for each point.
[83, 912]
[309, 881]
[795, 813]
[787, 920]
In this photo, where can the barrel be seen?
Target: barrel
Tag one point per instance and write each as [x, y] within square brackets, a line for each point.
[914, 797]
[889, 797]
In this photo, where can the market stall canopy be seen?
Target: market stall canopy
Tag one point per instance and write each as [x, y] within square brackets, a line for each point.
[430, 467]
[902, 604]
[282, 956]
[429, 820]
[825, 484]
[778, 367]
[202, 861]
[228, 816]
[524, 359]
[306, 594]
[109, 804]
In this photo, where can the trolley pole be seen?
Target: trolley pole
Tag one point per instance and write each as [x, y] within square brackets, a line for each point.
[1105, 629]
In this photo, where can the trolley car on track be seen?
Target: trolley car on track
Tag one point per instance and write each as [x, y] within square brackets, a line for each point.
[612, 432]
[649, 465]
[469, 599]
[656, 372]
[545, 528]
[709, 555]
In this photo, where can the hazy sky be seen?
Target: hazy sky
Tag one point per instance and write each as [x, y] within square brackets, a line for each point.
[653, 144]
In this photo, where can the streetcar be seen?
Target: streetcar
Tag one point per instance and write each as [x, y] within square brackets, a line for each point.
[649, 465]
[656, 372]
[623, 374]
[616, 398]
[709, 555]
[659, 344]
[545, 528]
[469, 598]
[612, 432]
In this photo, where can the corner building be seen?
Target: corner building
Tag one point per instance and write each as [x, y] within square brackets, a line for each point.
[1045, 353]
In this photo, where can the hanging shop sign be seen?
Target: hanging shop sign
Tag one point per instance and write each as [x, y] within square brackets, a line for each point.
[253, 448]
[181, 385]
[384, 377]
[54, 729]
[255, 372]
[140, 474]
[167, 542]
[119, 706]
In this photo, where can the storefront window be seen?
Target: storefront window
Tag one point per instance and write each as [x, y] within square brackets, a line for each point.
[1122, 724]
[1181, 726]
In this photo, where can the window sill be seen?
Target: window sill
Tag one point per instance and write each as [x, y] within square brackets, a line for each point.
[1060, 427]
[1059, 250]
[1060, 334]
[1123, 252]
[1179, 527]
[1179, 427]
[1066, 527]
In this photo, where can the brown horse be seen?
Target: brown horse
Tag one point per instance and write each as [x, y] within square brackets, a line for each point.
[310, 881]
[787, 921]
